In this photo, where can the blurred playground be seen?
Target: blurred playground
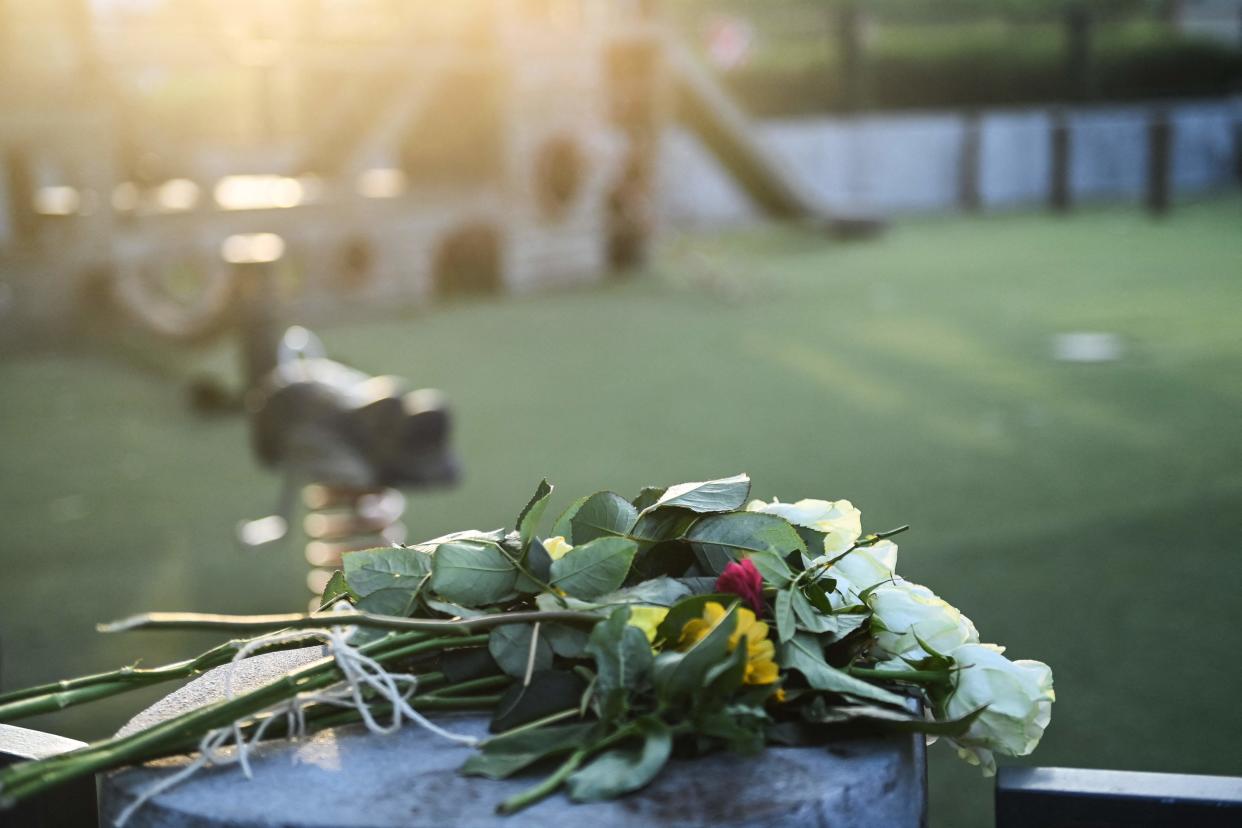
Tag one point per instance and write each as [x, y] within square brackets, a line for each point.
[1081, 502]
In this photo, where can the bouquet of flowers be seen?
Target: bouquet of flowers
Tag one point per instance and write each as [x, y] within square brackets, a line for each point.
[689, 616]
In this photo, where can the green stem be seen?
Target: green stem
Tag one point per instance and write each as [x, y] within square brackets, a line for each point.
[29, 778]
[53, 702]
[258, 623]
[457, 702]
[545, 788]
[909, 676]
[548, 786]
[485, 683]
[870, 540]
[546, 720]
[49, 698]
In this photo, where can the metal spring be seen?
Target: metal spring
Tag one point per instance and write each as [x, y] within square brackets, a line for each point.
[343, 519]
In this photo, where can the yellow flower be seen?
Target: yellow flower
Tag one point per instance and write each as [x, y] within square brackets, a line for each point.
[761, 665]
[557, 547]
[647, 619]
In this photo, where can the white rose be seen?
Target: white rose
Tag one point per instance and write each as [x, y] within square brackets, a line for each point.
[1018, 696]
[864, 567]
[838, 519]
[902, 610]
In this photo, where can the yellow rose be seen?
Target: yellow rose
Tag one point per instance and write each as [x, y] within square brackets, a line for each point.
[557, 547]
[647, 619]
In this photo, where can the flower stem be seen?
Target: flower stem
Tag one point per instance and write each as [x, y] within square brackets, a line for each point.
[49, 698]
[568, 713]
[548, 786]
[910, 676]
[545, 788]
[353, 618]
[485, 683]
[28, 778]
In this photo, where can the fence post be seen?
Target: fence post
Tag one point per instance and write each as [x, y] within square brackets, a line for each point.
[1079, 74]
[968, 173]
[1059, 196]
[1159, 150]
[1237, 142]
[849, 42]
[20, 184]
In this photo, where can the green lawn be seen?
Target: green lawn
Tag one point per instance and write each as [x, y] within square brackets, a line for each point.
[1083, 514]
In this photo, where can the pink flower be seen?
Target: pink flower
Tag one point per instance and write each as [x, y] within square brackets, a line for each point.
[741, 578]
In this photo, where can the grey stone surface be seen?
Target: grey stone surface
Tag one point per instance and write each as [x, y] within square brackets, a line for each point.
[19, 743]
[69, 806]
[349, 778]
[249, 674]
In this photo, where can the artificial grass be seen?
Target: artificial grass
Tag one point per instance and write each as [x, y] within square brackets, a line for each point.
[1083, 514]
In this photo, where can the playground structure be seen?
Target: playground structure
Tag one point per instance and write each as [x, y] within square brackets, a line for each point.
[386, 155]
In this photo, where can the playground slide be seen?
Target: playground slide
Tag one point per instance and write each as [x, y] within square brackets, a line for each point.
[706, 109]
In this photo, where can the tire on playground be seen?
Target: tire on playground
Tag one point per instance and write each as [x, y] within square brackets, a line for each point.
[179, 294]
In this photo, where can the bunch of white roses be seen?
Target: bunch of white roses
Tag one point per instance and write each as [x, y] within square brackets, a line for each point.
[909, 620]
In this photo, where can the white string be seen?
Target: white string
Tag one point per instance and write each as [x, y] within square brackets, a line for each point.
[361, 673]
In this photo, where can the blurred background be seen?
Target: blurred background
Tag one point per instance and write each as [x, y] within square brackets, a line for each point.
[975, 265]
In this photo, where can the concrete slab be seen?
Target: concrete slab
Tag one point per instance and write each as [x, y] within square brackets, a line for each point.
[349, 778]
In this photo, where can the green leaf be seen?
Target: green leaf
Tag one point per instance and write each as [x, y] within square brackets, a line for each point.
[336, 589]
[398, 602]
[467, 663]
[548, 692]
[813, 539]
[720, 539]
[699, 585]
[452, 610]
[647, 497]
[658, 525]
[721, 680]
[680, 675]
[528, 520]
[505, 755]
[659, 592]
[510, 647]
[622, 656]
[563, 526]
[603, 514]
[772, 567]
[784, 615]
[666, 558]
[810, 618]
[886, 718]
[803, 653]
[386, 567]
[472, 573]
[848, 621]
[722, 495]
[494, 536]
[740, 727]
[566, 641]
[817, 594]
[538, 563]
[686, 609]
[624, 770]
[595, 568]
